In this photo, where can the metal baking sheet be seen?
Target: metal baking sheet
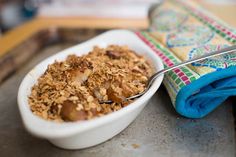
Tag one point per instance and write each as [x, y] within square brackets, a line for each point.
[157, 132]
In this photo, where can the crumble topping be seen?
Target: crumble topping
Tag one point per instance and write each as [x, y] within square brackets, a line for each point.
[73, 89]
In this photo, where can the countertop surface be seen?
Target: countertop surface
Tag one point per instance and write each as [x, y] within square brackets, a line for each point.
[157, 132]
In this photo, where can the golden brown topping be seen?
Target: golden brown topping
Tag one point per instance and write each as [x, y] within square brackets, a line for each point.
[71, 90]
[113, 54]
[70, 112]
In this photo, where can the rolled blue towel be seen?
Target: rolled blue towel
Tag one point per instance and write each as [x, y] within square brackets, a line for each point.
[213, 89]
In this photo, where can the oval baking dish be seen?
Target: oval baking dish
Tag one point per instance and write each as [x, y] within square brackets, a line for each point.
[82, 134]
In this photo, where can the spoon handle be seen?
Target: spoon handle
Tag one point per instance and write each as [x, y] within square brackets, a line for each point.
[159, 73]
[205, 56]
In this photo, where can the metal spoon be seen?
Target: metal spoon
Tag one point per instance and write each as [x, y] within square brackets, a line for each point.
[161, 72]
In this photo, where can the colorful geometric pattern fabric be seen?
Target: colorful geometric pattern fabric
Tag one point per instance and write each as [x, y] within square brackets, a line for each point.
[212, 22]
[183, 31]
[167, 20]
[218, 63]
[188, 35]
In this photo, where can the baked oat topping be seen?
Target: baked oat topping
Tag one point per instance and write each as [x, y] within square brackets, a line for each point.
[72, 89]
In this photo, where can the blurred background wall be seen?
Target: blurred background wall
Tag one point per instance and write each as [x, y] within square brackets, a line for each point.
[15, 12]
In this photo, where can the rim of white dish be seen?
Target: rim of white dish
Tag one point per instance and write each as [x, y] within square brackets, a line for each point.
[49, 129]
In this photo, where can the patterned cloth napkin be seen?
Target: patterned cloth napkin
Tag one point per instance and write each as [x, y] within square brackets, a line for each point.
[180, 31]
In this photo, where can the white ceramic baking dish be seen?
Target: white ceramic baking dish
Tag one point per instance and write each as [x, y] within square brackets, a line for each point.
[82, 134]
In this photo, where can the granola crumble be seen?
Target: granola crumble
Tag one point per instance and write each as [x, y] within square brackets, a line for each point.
[72, 89]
